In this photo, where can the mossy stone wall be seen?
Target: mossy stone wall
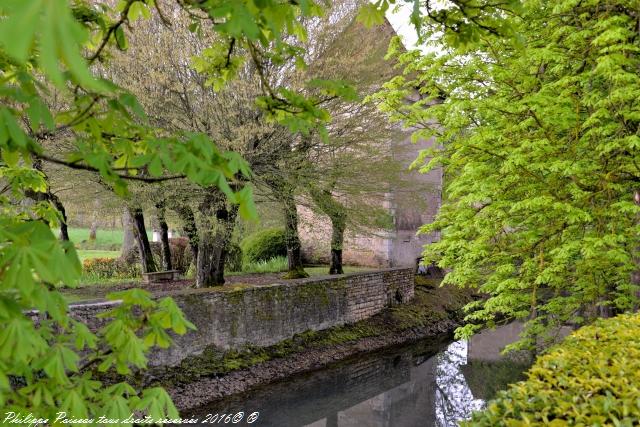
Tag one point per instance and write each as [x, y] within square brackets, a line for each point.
[235, 316]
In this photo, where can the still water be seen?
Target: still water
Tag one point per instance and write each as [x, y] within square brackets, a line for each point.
[428, 383]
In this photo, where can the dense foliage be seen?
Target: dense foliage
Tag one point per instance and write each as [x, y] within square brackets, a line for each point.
[106, 268]
[58, 107]
[539, 142]
[264, 245]
[592, 378]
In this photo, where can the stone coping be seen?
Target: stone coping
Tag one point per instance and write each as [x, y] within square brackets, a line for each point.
[241, 287]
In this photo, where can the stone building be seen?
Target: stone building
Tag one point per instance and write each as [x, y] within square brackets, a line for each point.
[409, 207]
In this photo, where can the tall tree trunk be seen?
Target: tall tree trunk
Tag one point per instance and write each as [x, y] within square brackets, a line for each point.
[164, 238]
[338, 216]
[294, 255]
[93, 231]
[128, 250]
[216, 228]
[228, 218]
[49, 196]
[140, 233]
[337, 242]
[189, 227]
[64, 230]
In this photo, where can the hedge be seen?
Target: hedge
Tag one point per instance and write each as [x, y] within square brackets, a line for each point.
[592, 378]
[264, 245]
[106, 268]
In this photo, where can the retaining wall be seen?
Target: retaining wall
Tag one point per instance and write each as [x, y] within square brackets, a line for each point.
[264, 315]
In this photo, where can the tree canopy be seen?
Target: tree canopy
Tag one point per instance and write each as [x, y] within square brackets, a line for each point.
[54, 57]
[538, 136]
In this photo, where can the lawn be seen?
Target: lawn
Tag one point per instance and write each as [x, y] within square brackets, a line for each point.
[106, 240]
[323, 270]
[279, 264]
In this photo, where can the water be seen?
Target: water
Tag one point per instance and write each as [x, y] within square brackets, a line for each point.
[428, 383]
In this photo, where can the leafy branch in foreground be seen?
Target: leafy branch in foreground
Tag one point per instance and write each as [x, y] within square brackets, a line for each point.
[540, 149]
[54, 108]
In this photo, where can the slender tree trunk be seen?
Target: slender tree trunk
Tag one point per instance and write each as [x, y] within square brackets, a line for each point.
[140, 233]
[338, 216]
[164, 238]
[189, 227]
[93, 231]
[48, 195]
[337, 242]
[64, 231]
[128, 250]
[228, 223]
[216, 228]
[94, 221]
[292, 239]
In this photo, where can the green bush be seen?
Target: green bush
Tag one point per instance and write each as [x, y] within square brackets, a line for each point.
[591, 379]
[264, 245]
[273, 265]
[233, 260]
[106, 268]
[181, 255]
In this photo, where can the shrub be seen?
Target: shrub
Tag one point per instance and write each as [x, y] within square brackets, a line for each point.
[181, 255]
[233, 261]
[273, 265]
[591, 378]
[264, 245]
[106, 268]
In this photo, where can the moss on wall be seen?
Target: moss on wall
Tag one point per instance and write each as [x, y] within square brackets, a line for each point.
[430, 306]
[317, 292]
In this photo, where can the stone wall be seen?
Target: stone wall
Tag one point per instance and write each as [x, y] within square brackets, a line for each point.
[236, 316]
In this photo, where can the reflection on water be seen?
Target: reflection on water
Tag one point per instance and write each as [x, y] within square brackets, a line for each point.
[424, 384]
[454, 399]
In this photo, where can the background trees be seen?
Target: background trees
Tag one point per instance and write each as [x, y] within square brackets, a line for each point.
[348, 160]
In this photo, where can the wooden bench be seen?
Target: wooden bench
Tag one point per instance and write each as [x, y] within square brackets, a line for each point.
[160, 276]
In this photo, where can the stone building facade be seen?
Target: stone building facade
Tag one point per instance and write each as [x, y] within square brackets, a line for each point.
[409, 207]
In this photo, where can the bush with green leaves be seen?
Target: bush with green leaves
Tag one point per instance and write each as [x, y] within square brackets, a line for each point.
[264, 245]
[106, 268]
[233, 260]
[538, 138]
[592, 379]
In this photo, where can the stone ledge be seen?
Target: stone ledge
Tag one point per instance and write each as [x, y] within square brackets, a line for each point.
[262, 315]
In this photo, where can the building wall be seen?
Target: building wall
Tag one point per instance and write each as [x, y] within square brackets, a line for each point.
[264, 315]
[412, 203]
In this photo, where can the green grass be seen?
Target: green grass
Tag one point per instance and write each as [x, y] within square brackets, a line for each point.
[323, 270]
[106, 240]
[279, 265]
[274, 265]
[90, 253]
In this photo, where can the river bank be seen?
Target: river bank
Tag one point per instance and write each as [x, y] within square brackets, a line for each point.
[434, 312]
